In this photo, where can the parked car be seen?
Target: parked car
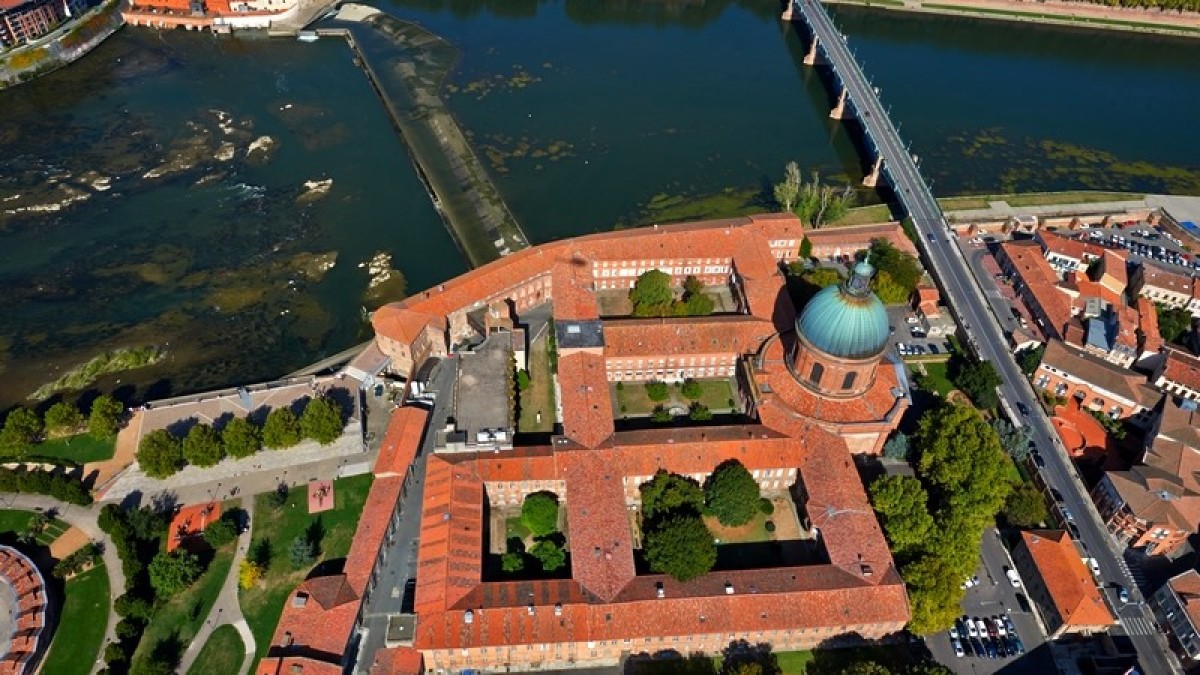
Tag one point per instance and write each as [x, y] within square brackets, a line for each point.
[992, 652]
[1056, 495]
[972, 631]
[958, 650]
[977, 647]
[1020, 646]
[1000, 626]
[981, 627]
[1038, 461]
[1013, 577]
[1122, 594]
[991, 628]
[1012, 630]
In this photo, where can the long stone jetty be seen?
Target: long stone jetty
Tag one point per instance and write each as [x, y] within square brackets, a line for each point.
[407, 65]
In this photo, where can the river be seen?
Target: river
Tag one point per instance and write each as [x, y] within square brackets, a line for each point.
[589, 114]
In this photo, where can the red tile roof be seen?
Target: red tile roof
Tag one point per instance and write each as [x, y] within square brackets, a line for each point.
[402, 324]
[318, 618]
[692, 335]
[1042, 282]
[1153, 275]
[372, 527]
[860, 237]
[1182, 368]
[296, 665]
[397, 661]
[601, 541]
[1148, 325]
[1114, 269]
[1067, 580]
[586, 404]
[1070, 246]
[573, 297]
[1100, 374]
[401, 441]
[450, 560]
[1187, 587]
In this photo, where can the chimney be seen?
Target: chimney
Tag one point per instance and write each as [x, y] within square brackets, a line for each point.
[728, 588]
[659, 590]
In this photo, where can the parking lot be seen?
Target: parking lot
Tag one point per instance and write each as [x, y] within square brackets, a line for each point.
[1147, 243]
[907, 337]
[995, 596]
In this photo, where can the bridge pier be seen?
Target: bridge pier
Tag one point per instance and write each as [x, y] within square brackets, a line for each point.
[810, 58]
[839, 110]
[789, 13]
[872, 179]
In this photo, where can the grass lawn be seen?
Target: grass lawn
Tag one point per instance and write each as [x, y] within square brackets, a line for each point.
[81, 626]
[865, 215]
[750, 533]
[937, 378]
[222, 653]
[632, 396]
[81, 448]
[16, 521]
[716, 394]
[1037, 199]
[515, 527]
[540, 394]
[263, 604]
[175, 624]
[1038, 16]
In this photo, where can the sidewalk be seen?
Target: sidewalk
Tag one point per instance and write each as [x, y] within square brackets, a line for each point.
[227, 610]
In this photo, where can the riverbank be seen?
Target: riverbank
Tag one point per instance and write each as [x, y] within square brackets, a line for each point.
[1072, 14]
[61, 48]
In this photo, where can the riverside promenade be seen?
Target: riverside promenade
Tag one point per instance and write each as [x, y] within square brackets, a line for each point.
[406, 65]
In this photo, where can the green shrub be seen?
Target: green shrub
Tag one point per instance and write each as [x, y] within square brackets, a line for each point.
[539, 513]
[765, 506]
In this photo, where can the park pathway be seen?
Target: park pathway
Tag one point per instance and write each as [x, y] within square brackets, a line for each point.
[227, 610]
[84, 518]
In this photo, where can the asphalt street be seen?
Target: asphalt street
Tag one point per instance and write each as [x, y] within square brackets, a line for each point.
[971, 308]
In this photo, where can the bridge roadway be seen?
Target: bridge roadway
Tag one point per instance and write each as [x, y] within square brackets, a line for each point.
[967, 301]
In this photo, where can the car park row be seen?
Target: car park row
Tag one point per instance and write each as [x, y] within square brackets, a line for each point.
[993, 637]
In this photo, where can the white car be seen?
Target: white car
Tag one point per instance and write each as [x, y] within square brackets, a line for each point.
[913, 319]
[972, 631]
[1013, 577]
[958, 650]
[999, 626]
[954, 632]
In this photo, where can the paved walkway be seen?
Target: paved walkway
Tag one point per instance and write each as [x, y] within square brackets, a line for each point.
[227, 610]
[84, 518]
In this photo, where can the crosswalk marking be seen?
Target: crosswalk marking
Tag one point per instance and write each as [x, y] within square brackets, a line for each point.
[1138, 626]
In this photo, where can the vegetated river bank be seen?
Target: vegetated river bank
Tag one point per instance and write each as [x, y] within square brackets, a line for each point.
[586, 114]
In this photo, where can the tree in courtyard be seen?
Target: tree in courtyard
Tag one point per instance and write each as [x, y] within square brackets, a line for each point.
[731, 494]
[302, 551]
[661, 415]
[669, 493]
[512, 562]
[241, 438]
[897, 447]
[105, 416]
[281, 429]
[933, 592]
[652, 294]
[1026, 506]
[549, 553]
[1173, 322]
[680, 546]
[694, 305]
[63, 417]
[889, 292]
[692, 286]
[321, 420]
[160, 454]
[978, 379]
[657, 391]
[539, 513]
[523, 380]
[805, 248]
[961, 461]
[21, 430]
[822, 277]
[903, 507]
[171, 573]
[692, 389]
[902, 268]
[1029, 358]
[787, 191]
[202, 446]
[698, 412]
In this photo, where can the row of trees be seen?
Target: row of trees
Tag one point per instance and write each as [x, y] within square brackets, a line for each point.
[960, 485]
[653, 295]
[23, 428]
[539, 515]
[897, 272]
[58, 485]
[85, 556]
[675, 539]
[162, 454]
[816, 204]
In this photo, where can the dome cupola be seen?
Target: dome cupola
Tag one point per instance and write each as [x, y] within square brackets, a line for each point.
[847, 320]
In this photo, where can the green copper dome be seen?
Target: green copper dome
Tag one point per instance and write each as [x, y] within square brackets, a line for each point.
[846, 320]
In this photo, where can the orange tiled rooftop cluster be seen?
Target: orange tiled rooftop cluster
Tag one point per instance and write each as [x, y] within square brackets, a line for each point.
[796, 440]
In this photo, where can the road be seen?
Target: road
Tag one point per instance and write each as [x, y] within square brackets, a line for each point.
[967, 301]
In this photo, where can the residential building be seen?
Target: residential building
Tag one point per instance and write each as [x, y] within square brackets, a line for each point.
[1178, 374]
[1070, 373]
[1150, 340]
[1113, 272]
[23, 21]
[1177, 607]
[842, 243]
[1165, 287]
[1149, 510]
[1037, 284]
[1067, 254]
[1059, 585]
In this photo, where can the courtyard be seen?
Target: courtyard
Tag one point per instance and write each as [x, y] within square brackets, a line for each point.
[614, 302]
[632, 399]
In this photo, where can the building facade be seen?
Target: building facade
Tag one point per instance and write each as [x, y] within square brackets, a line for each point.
[1178, 374]
[1059, 585]
[1121, 394]
[1177, 607]
[23, 21]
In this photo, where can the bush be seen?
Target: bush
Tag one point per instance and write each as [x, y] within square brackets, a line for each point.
[766, 507]
[698, 412]
[523, 379]
[731, 494]
[692, 389]
[769, 526]
[171, 573]
[301, 552]
[660, 415]
[322, 421]
[657, 391]
[160, 454]
[132, 607]
[75, 562]
[281, 430]
[127, 628]
[114, 654]
[60, 486]
[539, 513]
[512, 562]
[63, 417]
[220, 533]
[249, 572]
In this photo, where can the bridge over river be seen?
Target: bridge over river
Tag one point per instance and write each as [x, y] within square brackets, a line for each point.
[893, 161]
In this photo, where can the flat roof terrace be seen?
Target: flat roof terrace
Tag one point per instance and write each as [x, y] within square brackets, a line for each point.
[482, 397]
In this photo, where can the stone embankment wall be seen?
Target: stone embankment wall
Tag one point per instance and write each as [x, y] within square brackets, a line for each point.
[66, 45]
